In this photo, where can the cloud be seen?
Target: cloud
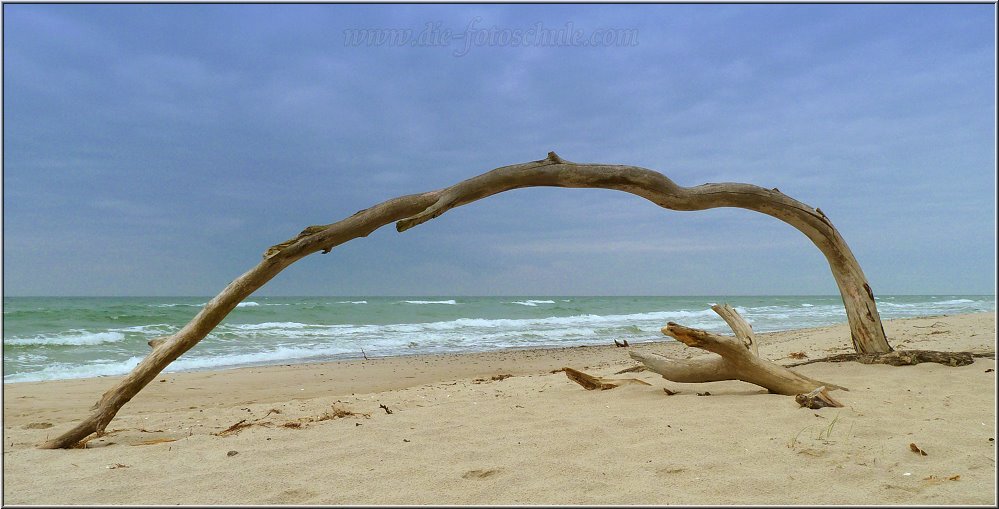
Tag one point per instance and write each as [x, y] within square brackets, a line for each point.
[619, 247]
[231, 127]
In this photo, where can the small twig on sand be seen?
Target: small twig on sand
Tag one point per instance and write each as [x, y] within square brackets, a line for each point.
[232, 430]
[633, 369]
[934, 324]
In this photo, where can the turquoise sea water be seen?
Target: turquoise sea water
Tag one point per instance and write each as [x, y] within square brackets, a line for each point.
[47, 338]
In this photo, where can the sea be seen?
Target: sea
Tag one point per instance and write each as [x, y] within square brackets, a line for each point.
[51, 338]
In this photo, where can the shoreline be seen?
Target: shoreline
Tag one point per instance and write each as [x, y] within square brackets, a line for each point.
[353, 376]
[451, 419]
[552, 348]
[87, 340]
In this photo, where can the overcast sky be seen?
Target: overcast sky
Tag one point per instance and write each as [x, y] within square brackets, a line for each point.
[160, 149]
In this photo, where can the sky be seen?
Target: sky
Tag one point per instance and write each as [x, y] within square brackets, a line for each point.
[158, 150]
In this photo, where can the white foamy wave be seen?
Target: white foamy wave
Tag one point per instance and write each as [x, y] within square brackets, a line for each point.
[532, 302]
[930, 306]
[451, 302]
[158, 328]
[62, 370]
[30, 357]
[288, 330]
[249, 304]
[265, 325]
[894, 305]
[461, 323]
[269, 356]
[807, 305]
[105, 367]
[462, 331]
[899, 310]
[352, 302]
[70, 338]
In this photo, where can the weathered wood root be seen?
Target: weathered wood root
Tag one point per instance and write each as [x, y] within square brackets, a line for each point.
[590, 382]
[408, 211]
[903, 358]
[816, 399]
[736, 359]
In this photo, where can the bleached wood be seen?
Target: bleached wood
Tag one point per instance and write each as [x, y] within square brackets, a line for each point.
[735, 360]
[590, 382]
[711, 369]
[408, 211]
[738, 324]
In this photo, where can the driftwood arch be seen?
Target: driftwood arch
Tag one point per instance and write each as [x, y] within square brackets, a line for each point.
[866, 331]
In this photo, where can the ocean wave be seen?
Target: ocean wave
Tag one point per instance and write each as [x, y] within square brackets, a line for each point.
[31, 357]
[298, 334]
[769, 317]
[271, 355]
[69, 338]
[246, 304]
[156, 328]
[106, 367]
[532, 303]
[518, 323]
[469, 330]
[64, 370]
[958, 303]
[266, 325]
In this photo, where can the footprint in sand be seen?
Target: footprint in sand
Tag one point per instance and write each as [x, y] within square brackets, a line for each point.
[480, 474]
[294, 496]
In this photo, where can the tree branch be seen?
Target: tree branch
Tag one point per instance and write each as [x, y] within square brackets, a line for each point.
[553, 171]
[736, 360]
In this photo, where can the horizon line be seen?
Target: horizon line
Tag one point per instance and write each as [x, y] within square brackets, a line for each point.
[491, 296]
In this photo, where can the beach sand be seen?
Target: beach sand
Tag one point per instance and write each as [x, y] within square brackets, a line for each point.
[456, 436]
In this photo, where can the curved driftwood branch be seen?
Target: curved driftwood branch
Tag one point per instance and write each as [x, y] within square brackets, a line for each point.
[736, 360]
[411, 210]
[739, 326]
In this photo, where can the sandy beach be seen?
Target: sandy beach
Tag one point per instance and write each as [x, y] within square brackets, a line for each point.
[443, 430]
